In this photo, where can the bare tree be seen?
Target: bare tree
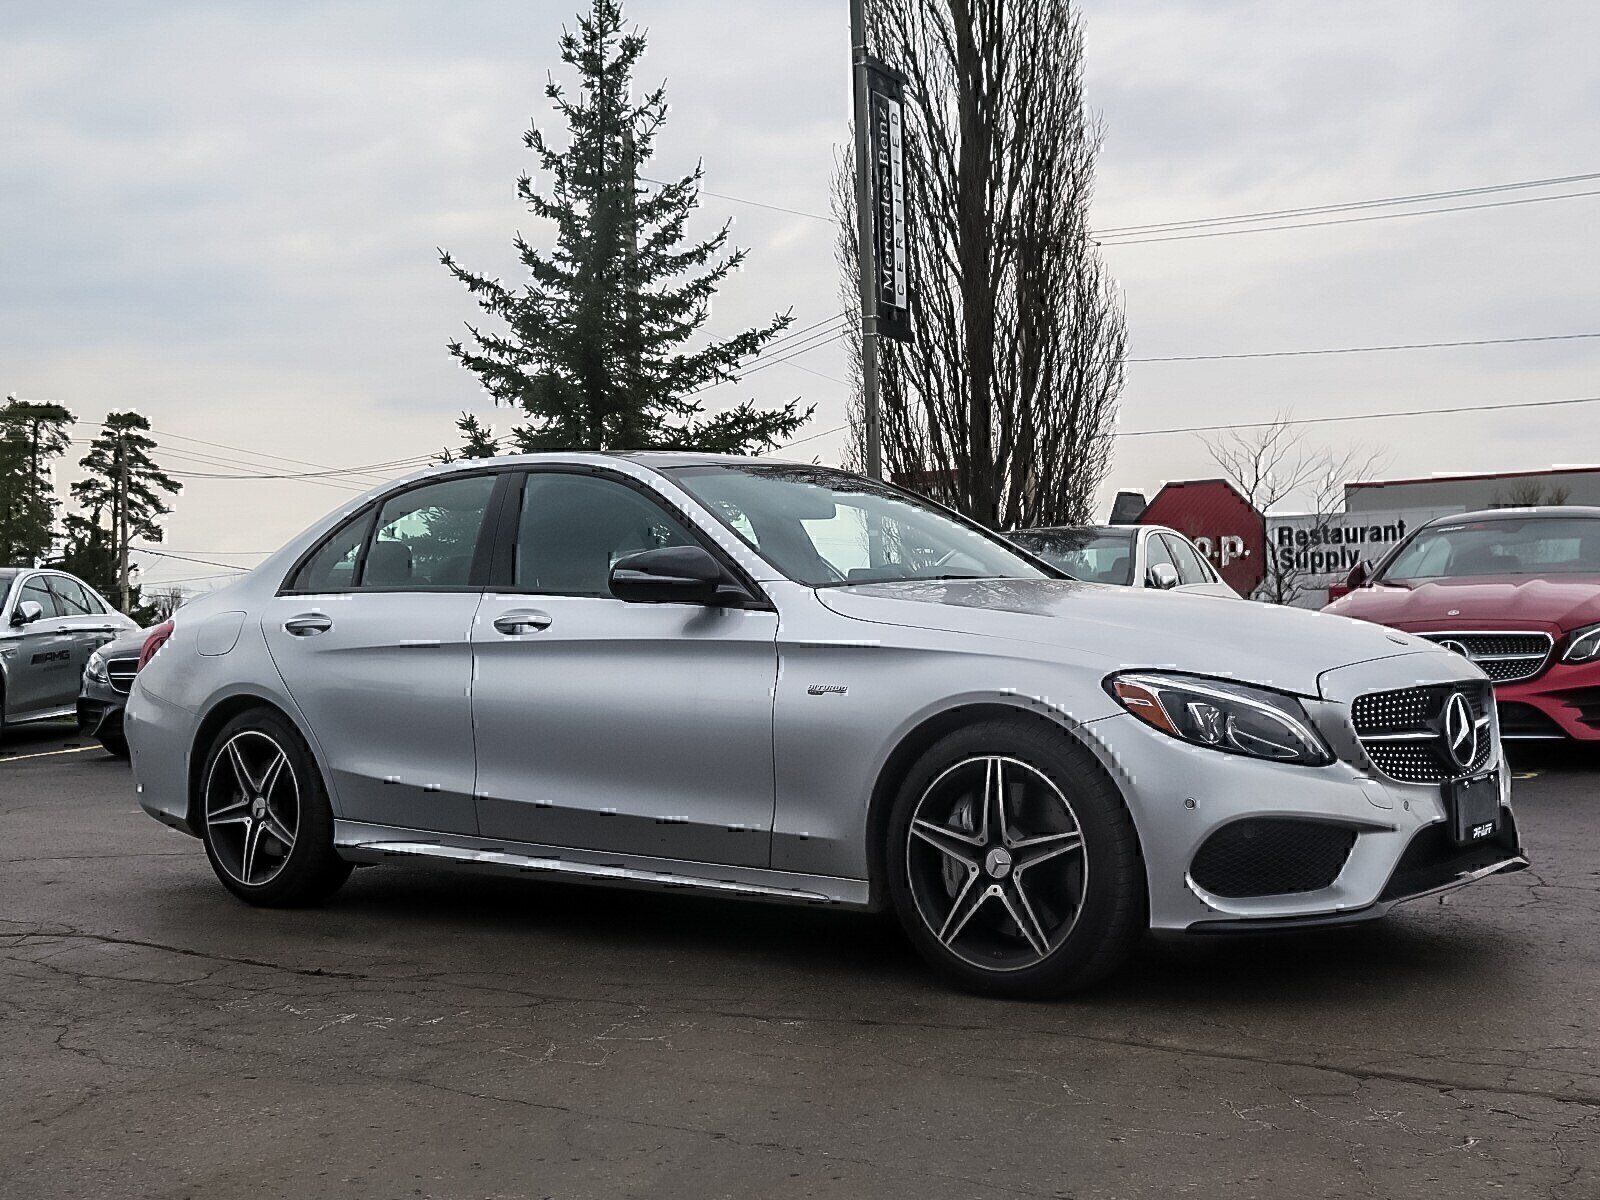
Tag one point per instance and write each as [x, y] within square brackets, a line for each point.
[1008, 393]
[1529, 494]
[163, 602]
[1274, 464]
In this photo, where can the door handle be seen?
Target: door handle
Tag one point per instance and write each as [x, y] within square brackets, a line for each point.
[522, 620]
[307, 625]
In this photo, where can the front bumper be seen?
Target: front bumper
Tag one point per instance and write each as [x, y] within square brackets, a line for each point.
[1390, 838]
[100, 708]
[1562, 701]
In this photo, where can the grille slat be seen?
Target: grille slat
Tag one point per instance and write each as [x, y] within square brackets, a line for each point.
[122, 671]
[1503, 657]
[1378, 716]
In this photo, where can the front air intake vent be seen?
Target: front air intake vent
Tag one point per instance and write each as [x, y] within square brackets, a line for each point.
[1272, 856]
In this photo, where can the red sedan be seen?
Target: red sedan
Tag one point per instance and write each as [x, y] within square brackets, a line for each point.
[1515, 590]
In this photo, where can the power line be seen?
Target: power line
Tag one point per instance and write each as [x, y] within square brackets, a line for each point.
[1553, 337]
[1379, 416]
[793, 212]
[205, 562]
[1381, 202]
[1421, 212]
[816, 342]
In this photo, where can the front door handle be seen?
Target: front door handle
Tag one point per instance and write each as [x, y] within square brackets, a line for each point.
[522, 620]
[307, 625]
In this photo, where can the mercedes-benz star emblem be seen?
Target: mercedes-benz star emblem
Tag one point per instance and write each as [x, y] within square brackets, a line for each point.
[998, 862]
[1459, 647]
[1460, 731]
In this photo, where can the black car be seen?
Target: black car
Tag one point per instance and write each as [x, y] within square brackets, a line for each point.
[106, 682]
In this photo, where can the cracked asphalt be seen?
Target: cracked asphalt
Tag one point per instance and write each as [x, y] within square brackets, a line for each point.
[432, 1034]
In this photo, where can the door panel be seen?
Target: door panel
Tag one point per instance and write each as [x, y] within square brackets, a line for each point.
[636, 728]
[42, 668]
[376, 649]
[603, 725]
[383, 680]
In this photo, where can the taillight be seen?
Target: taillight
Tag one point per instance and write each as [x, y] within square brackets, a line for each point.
[157, 639]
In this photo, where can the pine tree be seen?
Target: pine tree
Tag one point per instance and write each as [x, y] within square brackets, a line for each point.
[32, 437]
[119, 474]
[596, 354]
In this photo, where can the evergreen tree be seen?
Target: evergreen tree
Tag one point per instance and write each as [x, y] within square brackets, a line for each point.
[120, 453]
[596, 354]
[32, 437]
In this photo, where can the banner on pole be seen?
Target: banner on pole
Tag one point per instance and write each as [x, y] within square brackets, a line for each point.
[891, 265]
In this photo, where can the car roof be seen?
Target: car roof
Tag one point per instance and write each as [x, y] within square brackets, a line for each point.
[1518, 514]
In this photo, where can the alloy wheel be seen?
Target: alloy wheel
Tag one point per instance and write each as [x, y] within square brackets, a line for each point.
[996, 863]
[252, 807]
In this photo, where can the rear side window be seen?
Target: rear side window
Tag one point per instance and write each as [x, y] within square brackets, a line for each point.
[427, 537]
[333, 567]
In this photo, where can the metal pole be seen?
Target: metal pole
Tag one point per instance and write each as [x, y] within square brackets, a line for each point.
[871, 409]
[122, 518]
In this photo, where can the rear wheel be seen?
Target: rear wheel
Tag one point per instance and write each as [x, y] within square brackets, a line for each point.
[1013, 864]
[265, 818]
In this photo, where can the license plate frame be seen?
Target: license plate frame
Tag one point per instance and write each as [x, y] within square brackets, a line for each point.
[1473, 807]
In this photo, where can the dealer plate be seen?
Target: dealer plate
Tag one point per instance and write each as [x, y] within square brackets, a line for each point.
[1473, 806]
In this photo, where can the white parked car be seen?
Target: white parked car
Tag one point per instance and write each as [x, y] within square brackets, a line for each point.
[1139, 556]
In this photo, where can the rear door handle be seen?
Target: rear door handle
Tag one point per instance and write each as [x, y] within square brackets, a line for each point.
[522, 620]
[308, 625]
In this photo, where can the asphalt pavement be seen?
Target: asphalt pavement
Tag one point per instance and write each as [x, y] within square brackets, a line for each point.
[434, 1034]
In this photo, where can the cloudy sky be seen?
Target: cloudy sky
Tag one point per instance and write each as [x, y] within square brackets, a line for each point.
[226, 216]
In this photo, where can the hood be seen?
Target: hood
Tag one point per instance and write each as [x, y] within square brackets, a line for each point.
[1115, 628]
[1557, 604]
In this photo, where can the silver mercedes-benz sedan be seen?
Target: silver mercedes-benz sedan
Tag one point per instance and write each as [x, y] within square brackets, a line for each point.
[788, 682]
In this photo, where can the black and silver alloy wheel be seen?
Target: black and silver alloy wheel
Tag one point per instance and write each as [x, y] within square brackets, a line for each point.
[996, 863]
[264, 814]
[1012, 861]
[252, 807]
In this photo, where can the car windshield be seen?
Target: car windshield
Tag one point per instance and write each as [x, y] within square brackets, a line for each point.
[1526, 546]
[1093, 555]
[824, 527]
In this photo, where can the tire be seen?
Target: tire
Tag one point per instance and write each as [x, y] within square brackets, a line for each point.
[114, 744]
[264, 815]
[1049, 900]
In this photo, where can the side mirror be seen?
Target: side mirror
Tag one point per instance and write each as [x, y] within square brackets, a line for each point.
[27, 612]
[1357, 576]
[1163, 576]
[670, 575]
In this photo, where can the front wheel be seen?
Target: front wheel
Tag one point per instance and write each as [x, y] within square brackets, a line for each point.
[265, 818]
[1013, 865]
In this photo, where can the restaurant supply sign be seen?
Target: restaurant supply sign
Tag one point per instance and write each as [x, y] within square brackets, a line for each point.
[1316, 551]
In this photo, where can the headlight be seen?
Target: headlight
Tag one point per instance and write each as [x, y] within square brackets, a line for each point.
[1584, 645]
[1222, 716]
[96, 670]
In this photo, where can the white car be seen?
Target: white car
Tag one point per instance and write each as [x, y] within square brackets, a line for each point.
[1140, 556]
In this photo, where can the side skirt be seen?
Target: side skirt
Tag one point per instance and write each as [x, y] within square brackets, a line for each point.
[364, 843]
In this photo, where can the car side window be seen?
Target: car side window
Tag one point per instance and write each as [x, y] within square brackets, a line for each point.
[1190, 568]
[70, 594]
[36, 590]
[573, 528]
[427, 537]
[1156, 553]
[333, 567]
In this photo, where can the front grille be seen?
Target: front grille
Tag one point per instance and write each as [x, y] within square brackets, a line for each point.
[1402, 731]
[122, 671]
[1503, 657]
[1272, 856]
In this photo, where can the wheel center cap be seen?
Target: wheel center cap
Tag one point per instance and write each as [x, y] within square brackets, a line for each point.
[258, 807]
[997, 862]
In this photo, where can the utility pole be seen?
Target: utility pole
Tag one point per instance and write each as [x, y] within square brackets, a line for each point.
[871, 406]
[122, 517]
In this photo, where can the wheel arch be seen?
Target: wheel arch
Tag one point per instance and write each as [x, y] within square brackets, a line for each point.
[919, 739]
